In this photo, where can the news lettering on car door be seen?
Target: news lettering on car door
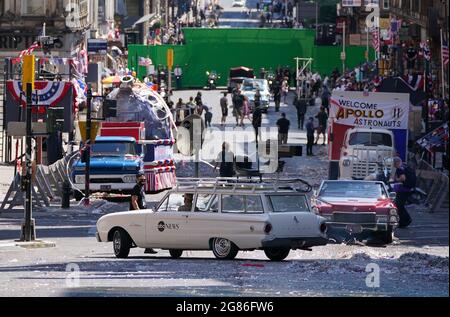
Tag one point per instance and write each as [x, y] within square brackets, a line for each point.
[169, 226]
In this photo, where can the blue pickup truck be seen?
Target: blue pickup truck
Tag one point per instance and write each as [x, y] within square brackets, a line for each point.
[115, 161]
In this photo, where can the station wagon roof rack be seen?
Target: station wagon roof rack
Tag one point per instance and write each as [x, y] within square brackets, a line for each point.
[252, 185]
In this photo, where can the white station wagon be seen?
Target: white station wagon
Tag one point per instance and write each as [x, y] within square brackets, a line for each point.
[222, 216]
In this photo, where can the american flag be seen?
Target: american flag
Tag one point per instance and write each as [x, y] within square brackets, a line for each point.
[33, 46]
[29, 50]
[444, 52]
[376, 39]
[425, 50]
[351, 3]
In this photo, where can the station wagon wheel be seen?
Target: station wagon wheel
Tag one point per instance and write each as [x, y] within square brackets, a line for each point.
[121, 243]
[277, 254]
[175, 253]
[224, 249]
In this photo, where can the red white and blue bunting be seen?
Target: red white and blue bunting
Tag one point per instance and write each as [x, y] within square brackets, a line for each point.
[49, 93]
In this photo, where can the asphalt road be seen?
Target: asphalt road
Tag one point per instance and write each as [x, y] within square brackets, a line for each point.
[332, 270]
[416, 264]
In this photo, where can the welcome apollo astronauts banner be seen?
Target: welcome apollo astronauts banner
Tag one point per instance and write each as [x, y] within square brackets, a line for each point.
[375, 110]
[370, 109]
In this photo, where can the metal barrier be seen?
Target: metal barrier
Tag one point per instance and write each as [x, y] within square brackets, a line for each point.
[47, 186]
[434, 183]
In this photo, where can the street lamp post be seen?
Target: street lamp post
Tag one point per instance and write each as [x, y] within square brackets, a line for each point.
[88, 147]
[343, 50]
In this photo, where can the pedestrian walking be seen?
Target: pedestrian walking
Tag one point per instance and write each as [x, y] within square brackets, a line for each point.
[326, 94]
[256, 122]
[224, 107]
[198, 98]
[300, 105]
[257, 101]
[179, 111]
[200, 108]
[277, 95]
[238, 104]
[322, 117]
[285, 89]
[310, 136]
[137, 201]
[246, 113]
[190, 107]
[405, 176]
[283, 129]
[208, 117]
[226, 160]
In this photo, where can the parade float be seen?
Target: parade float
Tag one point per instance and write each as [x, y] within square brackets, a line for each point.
[133, 110]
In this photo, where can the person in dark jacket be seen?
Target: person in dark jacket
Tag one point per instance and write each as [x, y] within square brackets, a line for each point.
[283, 129]
[322, 129]
[300, 104]
[226, 160]
[403, 190]
[256, 122]
[310, 136]
[138, 202]
[277, 95]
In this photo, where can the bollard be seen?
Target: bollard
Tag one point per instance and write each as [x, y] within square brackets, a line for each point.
[66, 192]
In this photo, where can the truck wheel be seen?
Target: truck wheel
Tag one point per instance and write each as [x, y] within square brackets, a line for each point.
[386, 236]
[175, 253]
[121, 243]
[224, 249]
[77, 195]
[277, 254]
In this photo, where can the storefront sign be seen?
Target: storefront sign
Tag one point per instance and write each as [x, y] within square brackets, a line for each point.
[97, 46]
[21, 41]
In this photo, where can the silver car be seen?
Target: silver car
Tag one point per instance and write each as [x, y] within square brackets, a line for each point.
[249, 88]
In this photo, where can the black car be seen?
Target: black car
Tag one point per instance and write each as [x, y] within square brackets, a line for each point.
[237, 76]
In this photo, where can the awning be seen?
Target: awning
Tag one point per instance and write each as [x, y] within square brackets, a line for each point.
[146, 18]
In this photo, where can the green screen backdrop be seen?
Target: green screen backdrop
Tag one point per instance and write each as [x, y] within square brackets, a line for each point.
[222, 49]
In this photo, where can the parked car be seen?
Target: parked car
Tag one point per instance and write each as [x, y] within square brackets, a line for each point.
[249, 87]
[221, 216]
[238, 3]
[237, 76]
[357, 206]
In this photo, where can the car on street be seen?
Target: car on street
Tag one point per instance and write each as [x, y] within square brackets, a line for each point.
[224, 216]
[238, 3]
[249, 88]
[114, 163]
[357, 206]
[237, 75]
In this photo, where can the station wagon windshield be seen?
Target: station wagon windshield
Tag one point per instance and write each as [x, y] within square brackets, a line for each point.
[294, 203]
[113, 148]
[352, 190]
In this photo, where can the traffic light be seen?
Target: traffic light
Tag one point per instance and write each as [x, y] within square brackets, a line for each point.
[326, 34]
[55, 119]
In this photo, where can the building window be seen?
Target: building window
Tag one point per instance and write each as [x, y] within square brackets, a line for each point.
[34, 7]
[371, 3]
[386, 4]
[84, 7]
